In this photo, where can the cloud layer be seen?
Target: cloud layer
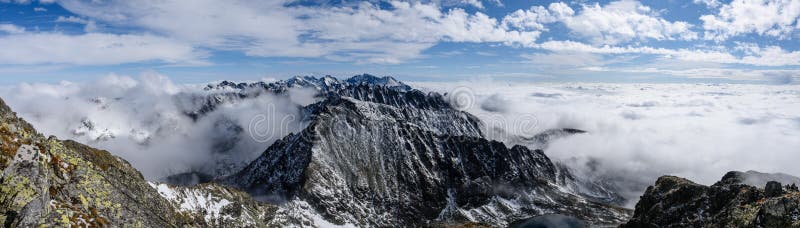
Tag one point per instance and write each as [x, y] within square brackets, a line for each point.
[144, 121]
[637, 132]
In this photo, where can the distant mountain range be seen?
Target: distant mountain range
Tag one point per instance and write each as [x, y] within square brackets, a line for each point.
[375, 152]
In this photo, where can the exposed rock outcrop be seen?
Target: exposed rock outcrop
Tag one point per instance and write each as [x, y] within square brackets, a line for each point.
[677, 202]
[65, 183]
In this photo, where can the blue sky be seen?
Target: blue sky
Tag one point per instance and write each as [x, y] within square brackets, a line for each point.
[550, 41]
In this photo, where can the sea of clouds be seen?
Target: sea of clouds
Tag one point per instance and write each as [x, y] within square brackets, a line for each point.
[143, 119]
[635, 132]
[638, 132]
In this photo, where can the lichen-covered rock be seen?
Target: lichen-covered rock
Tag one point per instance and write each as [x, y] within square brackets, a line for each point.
[50, 181]
[46, 181]
[677, 202]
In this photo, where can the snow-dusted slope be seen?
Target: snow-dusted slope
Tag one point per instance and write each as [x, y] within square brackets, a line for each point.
[216, 205]
[374, 155]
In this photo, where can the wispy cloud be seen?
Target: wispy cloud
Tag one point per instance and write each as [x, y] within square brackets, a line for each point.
[94, 49]
[766, 56]
[11, 29]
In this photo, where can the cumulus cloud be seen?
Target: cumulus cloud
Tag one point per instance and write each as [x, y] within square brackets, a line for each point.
[94, 49]
[398, 31]
[626, 20]
[144, 121]
[709, 3]
[613, 23]
[776, 18]
[537, 16]
[11, 29]
[276, 28]
[638, 132]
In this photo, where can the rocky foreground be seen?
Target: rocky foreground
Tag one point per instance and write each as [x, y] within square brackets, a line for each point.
[731, 202]
[65, 183]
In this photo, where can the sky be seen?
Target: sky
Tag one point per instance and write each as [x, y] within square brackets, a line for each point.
[739, 41]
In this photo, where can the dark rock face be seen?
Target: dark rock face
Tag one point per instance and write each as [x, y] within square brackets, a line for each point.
[375, 155]
[550, 221]
[677, 202]
[773, 189]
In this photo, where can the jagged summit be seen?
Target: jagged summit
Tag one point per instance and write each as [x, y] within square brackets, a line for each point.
[731, 202]
[231, 92]
[386, 81]
[373, 155]
[325, 83]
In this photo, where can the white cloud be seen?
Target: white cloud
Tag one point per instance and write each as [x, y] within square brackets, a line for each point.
[475, 3]
[768, 76]
[94, 49]
[775, 18]
[537, 16]
[72, 19]
[90, 25]
[27, 1]
[623, 21]
[147, 119]
[767, 56]
[638, 132]
[369, 32]
[478, 4]
[40, 9]
[709, 3]
[565, 58]
[271, 28]
[613, 23]
[11, 29]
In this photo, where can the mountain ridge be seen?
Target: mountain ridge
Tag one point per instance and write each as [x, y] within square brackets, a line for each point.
[394, 155]
[401, 138]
